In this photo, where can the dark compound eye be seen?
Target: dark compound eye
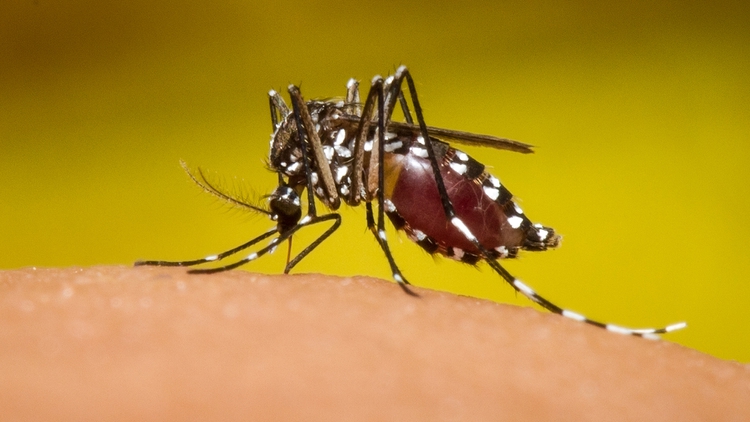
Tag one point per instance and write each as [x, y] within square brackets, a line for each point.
[345, 151]
[285, 206]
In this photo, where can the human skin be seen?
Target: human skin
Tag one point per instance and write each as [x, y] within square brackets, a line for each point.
[150, 343]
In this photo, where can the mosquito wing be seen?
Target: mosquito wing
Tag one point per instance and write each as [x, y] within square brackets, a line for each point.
[456, 136]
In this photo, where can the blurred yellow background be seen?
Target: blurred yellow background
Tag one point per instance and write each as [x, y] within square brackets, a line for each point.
[639, 112]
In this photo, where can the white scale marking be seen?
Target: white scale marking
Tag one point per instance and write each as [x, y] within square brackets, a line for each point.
[503, 251]
[495, 182]
[675, 327]
[398, 278]
[419, 235]
[341, 173]
[461, 226]
[618, 329]
[390, 135]
[393, 146]
[381, 234]
[389, 206]
[314, 178]
[526, 290]
[368, 145]
[293, 167]
[344, 190]
[493, 193]
[306, 219]
[573, 315]
[328, 151]
[343, 151]
[352, 82]
[515, 221]
[518, 209]
[252, 256]
[462, 156]
[419, 152]
[211, 258]
[458, 168]
[340, 137]
[543, 234]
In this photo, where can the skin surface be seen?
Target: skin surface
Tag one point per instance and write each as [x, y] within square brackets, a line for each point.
[147, 343]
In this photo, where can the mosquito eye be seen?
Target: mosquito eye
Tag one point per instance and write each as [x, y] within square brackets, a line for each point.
[285, 201]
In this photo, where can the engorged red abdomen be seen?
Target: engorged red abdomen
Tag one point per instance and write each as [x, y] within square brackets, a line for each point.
[415, 195]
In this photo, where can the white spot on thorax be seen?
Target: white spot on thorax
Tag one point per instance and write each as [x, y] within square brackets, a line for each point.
[341, 173]
[340, 137]
[293, 167]
[343, 151]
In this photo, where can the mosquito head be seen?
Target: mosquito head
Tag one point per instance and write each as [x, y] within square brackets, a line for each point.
[285, 205]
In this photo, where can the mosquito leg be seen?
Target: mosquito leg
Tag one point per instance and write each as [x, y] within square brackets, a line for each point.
[401, 74]
[272, 245]
[306, 126]
[352, 97]
[210, 258]
[405, 107]
[383, 242]
[361, 185]
[279, 108]
[379, 230]
[309, 222]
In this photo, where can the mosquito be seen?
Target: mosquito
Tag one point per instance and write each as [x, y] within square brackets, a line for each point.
[348, 152]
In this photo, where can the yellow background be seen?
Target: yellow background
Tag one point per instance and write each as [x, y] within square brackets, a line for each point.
[639, 112]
